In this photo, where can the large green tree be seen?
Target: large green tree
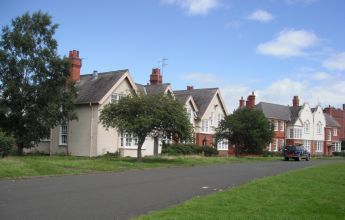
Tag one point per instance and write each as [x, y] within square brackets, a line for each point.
[248, 129]
[35, 93]
[148, 115]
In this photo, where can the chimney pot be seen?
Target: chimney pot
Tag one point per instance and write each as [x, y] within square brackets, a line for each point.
[295, 101]
[156, 77]
[75, 65]
[343, 106]
[190, 87]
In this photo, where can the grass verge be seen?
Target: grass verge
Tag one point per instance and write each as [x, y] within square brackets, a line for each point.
[26, 166]
[310, 193]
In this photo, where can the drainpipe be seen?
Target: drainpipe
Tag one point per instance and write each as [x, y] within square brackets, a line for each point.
[50, 143]
[91, 129]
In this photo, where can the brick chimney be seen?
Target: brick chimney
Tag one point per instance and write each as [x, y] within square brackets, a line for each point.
[242, 103]
[250, 103]
[329, 110]
[190, 87]
[156, 78]
[75, 65]
[343, 106]
[295, 101]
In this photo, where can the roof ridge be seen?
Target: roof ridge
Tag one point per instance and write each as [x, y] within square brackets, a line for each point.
[105, 73]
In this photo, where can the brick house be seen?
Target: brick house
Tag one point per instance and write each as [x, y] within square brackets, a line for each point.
[298, 125]
[211, 110]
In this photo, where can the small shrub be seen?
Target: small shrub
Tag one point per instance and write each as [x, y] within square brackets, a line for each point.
[339, 154]
[188, 149]
[5, 144]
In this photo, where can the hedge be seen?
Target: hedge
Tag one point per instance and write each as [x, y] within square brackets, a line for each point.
[188, 149]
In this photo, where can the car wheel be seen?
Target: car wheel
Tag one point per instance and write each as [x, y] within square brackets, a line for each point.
[286, 159]
[298, 158]
[307, 158]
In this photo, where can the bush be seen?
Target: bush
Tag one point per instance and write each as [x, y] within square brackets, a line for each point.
[188, 149]
[5, 144]
[339, 154]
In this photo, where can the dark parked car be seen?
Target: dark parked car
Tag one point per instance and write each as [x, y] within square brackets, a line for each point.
[296, 152]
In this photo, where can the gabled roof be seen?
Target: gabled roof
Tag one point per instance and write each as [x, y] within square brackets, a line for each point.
[157, 89]
[330, 121]
[185, 98]
[202, 97]
[92, 90]
[275, 111]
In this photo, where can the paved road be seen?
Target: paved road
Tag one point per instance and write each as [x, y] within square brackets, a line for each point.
[126, 194]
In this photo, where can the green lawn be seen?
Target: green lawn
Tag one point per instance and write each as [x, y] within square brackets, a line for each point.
[15, 166]
[310, 193]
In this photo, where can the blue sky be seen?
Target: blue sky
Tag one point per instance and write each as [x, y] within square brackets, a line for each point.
[276, 48]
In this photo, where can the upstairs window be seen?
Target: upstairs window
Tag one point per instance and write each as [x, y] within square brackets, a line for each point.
[115, 97]
[329, 135]
[335, 132]
[307, 127]
[204, 125]
[275, 125]
[281, 128]
[319, 128]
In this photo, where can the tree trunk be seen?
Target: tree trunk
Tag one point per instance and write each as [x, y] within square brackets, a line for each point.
[140, 144]
[20, 147]
[155, 146]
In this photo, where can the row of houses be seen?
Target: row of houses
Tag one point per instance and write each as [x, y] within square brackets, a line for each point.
[87, 136]
[321, 131]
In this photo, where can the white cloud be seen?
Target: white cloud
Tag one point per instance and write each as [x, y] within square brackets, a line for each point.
[261, 16]
[194, 7]
[202, 78]
[336, 62]
[289, 43]
[232, 94]
[320, 76]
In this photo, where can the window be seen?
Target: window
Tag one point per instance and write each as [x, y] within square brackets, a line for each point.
[281, 126]
[115, 97]
[296, 133]
[222, 145]
[269, 147]
[337, 147]
[128, 140]
[63, 135]
[307, 144]
[329, 135]
[275, 145]
[204, 127]
[307, 127]
[319, 128]
[291, 133]
[275, 125]
[190, 115]
[281, 143]
[220, 118]
[319, 146]
[335, 132]
[211, 119]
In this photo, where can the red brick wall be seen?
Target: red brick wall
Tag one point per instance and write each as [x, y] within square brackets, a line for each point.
[339, 115]
[203, 139]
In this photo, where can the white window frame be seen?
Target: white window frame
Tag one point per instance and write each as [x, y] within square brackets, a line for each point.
[282, 126]
[307, 127]
[128, 140]
[211, 119]
[319, 146]
[319, 128]
[276, 125]
[115, 97]
[307, 144]
[269, 147]
[291, 133]
[281, 143]
[329, 135]
[223, 144]
[205, 125]
[335, 132]
[275, 145]
[63, 135]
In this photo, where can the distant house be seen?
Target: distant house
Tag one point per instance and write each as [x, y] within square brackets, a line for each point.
[209, 111]
[87, 136]
[299, 125]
